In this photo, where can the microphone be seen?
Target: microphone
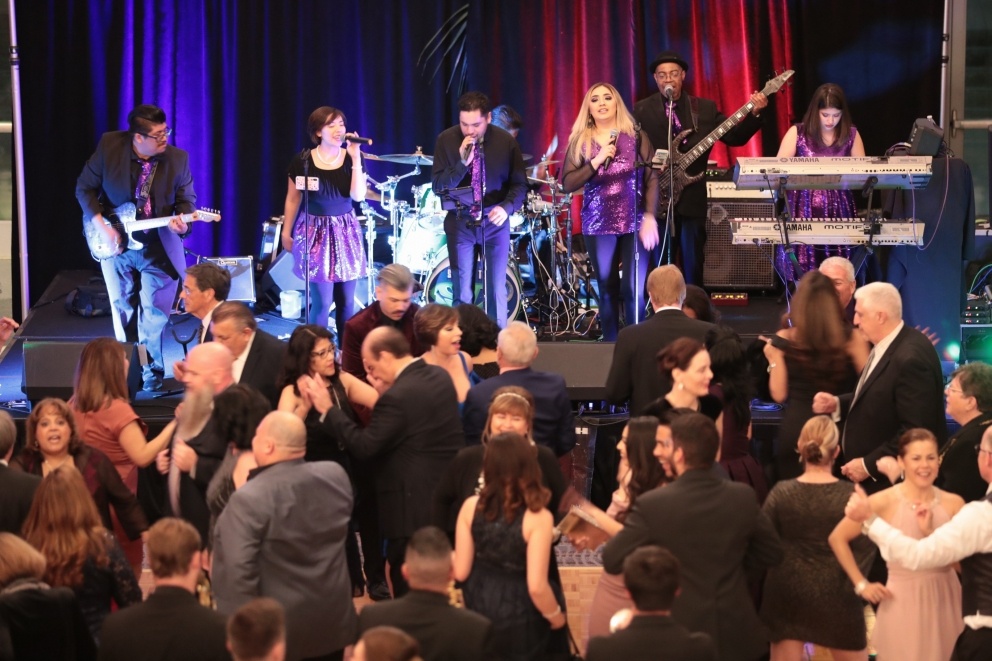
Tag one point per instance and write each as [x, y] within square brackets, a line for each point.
[613, 141]
[355, 138]
[669, 92]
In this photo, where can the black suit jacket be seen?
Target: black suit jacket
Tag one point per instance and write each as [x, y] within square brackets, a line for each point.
[554, 425]
[16, 495]
[634, 372]
[445, 633]
[210, 451]
[169, 625]
[958, 468]
[262, 366]
[106, 178]
[718, 532]
[652, 637]
[650, 112]
[415, 431]
[903, 391]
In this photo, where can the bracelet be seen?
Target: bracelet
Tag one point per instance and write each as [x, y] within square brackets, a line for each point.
[555, 613]
[771, 366]
[860, 587]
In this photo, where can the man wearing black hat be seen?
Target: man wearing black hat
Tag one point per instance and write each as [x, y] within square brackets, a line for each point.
[691, 112]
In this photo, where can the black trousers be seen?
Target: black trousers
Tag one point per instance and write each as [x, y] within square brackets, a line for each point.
[395, 555]
[973, 645]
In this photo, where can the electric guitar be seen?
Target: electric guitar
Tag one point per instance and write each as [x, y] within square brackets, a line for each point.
[678, 162]
[123, 221]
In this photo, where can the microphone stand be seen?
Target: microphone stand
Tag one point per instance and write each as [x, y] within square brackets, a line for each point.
[306, 233]
[670, 208]
[638, 220]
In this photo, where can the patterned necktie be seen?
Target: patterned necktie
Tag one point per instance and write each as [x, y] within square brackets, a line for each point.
[478, 180]
[673, 119]
[141, 192]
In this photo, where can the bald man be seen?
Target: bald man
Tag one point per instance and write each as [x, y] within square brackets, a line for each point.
[282, 536]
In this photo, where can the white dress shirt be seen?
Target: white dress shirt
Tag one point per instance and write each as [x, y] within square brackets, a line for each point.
[239, 363]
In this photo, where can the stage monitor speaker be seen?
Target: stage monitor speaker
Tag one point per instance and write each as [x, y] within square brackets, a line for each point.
[726, 266]
[584, 365]
[925, 138]
[242, 276]
[49, 367]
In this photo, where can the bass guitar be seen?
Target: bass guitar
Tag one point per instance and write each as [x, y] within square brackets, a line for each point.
[123, 220]
[678, 162]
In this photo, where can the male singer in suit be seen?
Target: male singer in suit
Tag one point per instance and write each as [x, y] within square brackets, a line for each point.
[901, 387]
[634, 372]
[718, 533]
[414, 433]
[16, 487]
[488, 161]
[139, 165]
[258, 356]
[691, 112]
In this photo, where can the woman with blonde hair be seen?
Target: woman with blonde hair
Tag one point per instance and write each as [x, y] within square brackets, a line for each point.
[603, 151]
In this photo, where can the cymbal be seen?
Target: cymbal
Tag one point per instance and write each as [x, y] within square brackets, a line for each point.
[406, 159]
[544, 182]
[545, 163]
[527, 157]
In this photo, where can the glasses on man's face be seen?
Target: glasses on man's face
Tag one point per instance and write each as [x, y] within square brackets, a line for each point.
[671, 75]
[320, 354]
[949, 388]
[979, 449]
[159, 137]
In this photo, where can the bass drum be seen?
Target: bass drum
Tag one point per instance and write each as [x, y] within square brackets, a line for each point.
[419, 247]
[439, 288]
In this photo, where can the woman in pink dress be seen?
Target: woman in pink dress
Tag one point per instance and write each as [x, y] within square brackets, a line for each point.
[919, 612]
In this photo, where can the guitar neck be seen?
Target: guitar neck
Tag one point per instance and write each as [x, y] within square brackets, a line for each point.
[706, 143]
[152, 223]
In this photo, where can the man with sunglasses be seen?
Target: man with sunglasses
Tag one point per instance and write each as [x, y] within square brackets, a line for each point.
[140, 166]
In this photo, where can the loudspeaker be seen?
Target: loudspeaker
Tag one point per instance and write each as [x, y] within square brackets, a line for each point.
[724, 264]
[49, 368]
[584, 365]
[242, 277]
[925, 138]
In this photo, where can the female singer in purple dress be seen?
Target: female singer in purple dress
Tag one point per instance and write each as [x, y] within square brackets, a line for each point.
[603, 150]
[826, 130]
[327, 230]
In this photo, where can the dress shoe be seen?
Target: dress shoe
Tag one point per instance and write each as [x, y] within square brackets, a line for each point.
[379, 592]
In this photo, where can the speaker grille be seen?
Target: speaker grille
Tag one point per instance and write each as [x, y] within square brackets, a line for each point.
[736, 267]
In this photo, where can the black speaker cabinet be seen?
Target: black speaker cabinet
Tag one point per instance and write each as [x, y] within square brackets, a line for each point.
[584, 365]
[726, 266]
[49, 367]
[242, 276]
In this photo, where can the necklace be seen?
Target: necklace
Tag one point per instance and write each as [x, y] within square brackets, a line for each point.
[320, 157]
[53, 466]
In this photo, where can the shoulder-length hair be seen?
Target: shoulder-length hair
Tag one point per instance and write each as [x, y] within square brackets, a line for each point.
[52, 405]
[298, 349]
[820, 331]
[827, 95]
[100, 375]
[512, 478]
[63, 523]
[580, 139]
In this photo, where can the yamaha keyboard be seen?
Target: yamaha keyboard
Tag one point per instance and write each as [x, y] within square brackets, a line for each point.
[833, 173]
[836, 232]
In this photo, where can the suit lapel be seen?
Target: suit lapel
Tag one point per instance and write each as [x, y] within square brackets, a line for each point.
[883, 363]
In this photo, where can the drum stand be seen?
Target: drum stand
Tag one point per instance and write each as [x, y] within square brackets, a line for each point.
[396, 210]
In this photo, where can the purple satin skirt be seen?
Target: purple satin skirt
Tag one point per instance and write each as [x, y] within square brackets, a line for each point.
[335, 246]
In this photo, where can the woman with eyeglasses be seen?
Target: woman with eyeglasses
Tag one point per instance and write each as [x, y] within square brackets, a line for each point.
[326, 237]
[969, 403]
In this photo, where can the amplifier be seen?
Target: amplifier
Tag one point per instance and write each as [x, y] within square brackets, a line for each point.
[242, 276]
[725, 265]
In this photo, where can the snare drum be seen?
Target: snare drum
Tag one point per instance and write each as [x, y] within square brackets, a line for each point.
[418, 247]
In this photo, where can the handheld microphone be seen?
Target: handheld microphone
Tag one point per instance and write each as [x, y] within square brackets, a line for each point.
[613, 141]
[669, 92]
[355, 138]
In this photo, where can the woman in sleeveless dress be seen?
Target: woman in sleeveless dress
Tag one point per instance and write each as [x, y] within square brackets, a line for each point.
[437, 328]
[502, 545]
[919, 612]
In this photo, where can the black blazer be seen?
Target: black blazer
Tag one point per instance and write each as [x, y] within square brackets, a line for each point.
[652, 637]
[16, 495]
[445, 633]
[958, 468]
[718, 532]
[905, 390]
[554, 424]
[263, 364]
[634, 373]
[210, 451]
[415, 431]
[650, 112]
[170, 624]
[43, 623]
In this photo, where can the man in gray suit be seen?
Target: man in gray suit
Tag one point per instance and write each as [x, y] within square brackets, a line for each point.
[282, 536]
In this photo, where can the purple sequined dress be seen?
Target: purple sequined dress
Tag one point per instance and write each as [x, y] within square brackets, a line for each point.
[609, 203]
[818, 204]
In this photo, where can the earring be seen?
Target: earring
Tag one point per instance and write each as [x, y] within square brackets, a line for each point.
[680, 385]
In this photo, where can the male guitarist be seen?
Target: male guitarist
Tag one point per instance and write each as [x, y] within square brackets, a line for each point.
[140, 166]
[702, 115]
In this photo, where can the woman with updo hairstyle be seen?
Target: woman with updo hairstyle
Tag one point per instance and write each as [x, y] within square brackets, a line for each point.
[807, 597]
[386, 644]
[685, 367]
[437, 327]
[919, 612]
[698, 305]
[480, 335]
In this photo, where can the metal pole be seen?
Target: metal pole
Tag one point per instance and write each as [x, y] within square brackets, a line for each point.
[22, 226]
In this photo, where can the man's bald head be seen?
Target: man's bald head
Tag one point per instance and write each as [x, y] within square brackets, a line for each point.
[209, 365]
[280, 436]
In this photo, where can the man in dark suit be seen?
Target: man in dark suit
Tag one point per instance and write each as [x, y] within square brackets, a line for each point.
[651, 575]
[171, 623]
[414, 433]
[634, 373]
[516, 350]
[258, 356]
[487, 161]
[16, 487]
[717, 531]
[140, 166]
[901, 387]
[691, 112]
[445, 633]
[205, 286]
[282, 535]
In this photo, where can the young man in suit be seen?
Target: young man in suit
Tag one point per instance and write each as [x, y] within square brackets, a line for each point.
[651, 575]
[257, 631]
[171, 623]
[16, 487]
[716, 530]
[445, 633]
[258, 356]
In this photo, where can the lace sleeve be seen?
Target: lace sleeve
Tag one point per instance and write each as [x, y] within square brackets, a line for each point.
[125, 585]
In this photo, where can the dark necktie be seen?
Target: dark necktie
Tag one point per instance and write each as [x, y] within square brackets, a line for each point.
[478, 180]
[142, 194]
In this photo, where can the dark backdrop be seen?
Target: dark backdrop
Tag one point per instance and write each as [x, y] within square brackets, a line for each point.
[238, 78]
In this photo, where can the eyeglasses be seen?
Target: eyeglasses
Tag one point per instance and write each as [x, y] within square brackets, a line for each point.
[158, 137]
[673, 75]
[979, 449]
[321, 354]
[948, 388]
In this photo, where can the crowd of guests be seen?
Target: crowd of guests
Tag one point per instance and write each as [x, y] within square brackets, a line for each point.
[432, 467]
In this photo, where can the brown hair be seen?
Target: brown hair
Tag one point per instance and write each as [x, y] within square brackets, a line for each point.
[385, 643]
[513, 478]
[63, 523]
[513, 400]
[256, 628]
[646, 472]
[211, 276]
[696, 434]
[99, 377]
[818, 440]
[827, 95]
[320, 118]
[237, 311]
[172, 543]
[821, 332]
[678, 354]
[915, 435]
[61, 409]
[429, 321]
[18, 559]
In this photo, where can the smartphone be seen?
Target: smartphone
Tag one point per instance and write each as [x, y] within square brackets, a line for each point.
[661, 155]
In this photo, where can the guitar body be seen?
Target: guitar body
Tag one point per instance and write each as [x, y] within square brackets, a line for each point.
[676, 169]
[123, 220]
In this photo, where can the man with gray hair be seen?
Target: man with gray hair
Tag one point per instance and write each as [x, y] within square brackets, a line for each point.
[901, 387]
[634, 373]
[840, 270]
[282, 536]
[516, 350]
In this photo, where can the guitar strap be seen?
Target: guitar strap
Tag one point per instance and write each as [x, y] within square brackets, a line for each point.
[694, 111]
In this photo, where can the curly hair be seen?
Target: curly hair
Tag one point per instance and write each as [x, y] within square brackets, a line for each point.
[513, 478]
[297, 360]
